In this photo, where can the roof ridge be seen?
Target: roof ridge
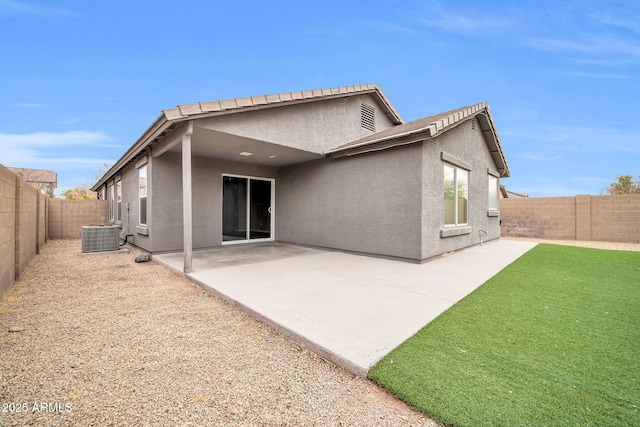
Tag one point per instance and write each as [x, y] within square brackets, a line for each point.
[168, 119]
[447, 118]
[434, 123]
[427, 127]
[184, 111]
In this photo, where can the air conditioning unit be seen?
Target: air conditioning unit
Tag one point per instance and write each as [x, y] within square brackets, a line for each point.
[100, 238]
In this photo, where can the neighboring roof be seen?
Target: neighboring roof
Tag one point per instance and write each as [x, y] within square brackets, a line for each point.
[508, 194]
[430, 127]
[171, 118]
[37, 175]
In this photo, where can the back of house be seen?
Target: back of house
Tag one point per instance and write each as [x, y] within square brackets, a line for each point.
[335, 168]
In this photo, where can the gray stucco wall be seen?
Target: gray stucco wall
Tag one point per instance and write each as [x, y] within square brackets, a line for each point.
[131, 206]
[467, 144]
[315, 126]
[207, 173]
[130, 195]
[386, 203]
[368, 203]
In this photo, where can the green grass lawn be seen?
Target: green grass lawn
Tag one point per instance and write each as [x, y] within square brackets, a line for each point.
[552, 340]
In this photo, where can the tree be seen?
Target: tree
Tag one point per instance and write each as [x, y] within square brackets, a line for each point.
[83, 192]
[624, 185]
[79, 193]
[104, 169]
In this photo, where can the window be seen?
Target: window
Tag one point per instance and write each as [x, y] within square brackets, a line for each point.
[119, 201]
[110, 198]
[142, 185]
[456, 195]
[493, 193]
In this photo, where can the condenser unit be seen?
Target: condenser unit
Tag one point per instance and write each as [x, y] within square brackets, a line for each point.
[100, 238]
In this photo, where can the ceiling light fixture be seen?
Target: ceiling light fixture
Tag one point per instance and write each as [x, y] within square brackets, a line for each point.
[246, 153]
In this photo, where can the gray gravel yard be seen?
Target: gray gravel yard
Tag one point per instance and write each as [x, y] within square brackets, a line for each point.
[104, 341]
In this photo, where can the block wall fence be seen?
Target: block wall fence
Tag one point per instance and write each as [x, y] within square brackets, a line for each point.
[28, 219]
[585, 218]
[66, 217]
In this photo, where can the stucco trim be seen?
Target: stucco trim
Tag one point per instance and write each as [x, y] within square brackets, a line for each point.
[141, 229]
[454, 231]
[493, 172]
[446, 157]
[143, 161]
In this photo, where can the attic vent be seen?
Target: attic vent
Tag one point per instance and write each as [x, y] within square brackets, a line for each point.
[367, 117]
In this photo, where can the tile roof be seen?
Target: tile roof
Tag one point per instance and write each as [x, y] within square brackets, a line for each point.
[190, 111]
[36, 175]
[171, 118]
[430, 127]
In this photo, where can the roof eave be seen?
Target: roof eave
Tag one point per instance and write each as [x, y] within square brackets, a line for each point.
[237, 105]
[433, 130]
[492, 137]
[160, 125]
[382, 143]
[173, 116]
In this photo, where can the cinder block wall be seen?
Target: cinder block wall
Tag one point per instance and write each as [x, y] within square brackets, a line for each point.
[545, 218]
[26, 224]
[66, 217]
[28, 219]
[597, 218]
[54, 219]
[7, 229]
[615, 218]
[22, 226]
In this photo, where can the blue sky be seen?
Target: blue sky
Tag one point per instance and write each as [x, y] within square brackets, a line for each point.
[82, 80]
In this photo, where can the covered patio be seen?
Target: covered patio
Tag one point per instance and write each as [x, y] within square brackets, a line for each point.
[194, 139]
[350, 309]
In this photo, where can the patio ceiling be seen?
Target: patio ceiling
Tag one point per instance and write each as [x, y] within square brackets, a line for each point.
[225, 146]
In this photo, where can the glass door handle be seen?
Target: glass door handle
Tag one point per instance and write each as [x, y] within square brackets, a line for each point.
[269, 209]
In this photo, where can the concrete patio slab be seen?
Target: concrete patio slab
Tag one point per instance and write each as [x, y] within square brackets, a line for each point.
[350, 309]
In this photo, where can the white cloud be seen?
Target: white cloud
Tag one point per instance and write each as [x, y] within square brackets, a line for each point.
[12, 8]
[30, 105]
[476, 23]
[576, 139]
[537, 157]
[68, 153]
[30, 158]
[52, 139]
[596, 75]
[389, 27]
[625, 24]
[607, 45]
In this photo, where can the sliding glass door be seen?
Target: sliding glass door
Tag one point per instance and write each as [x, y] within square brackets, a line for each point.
[247, 213]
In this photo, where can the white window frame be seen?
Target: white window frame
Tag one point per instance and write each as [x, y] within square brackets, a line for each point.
[248, 212]
[493, 190]
[143, 189]
[119, 200]
[110, 200]
[456, 174]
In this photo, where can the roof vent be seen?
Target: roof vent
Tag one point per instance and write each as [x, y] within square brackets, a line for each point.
[367, 117]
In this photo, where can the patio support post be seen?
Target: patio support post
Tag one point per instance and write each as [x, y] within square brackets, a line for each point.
[187, 209]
